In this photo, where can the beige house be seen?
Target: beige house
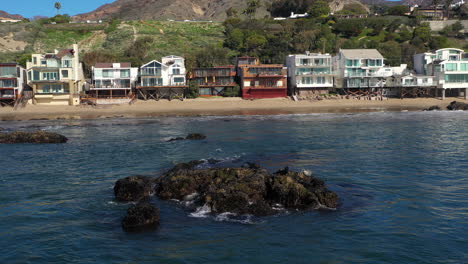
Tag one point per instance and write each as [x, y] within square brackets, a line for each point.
[56, 78]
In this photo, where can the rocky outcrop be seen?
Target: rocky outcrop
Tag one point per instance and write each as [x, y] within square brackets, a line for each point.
[38, 137]
[457, 106]
[133, 188]
[194, 136]
[433, 108]
[246, 190]
[141, 217]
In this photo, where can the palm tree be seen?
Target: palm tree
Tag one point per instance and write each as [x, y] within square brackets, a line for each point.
[58, 6]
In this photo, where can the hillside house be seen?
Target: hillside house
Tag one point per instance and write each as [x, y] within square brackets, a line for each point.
[112, 83]
[261, 80]
[12, 80]
[310, 74]
[449, 66]
[214, 81]
[56, 78]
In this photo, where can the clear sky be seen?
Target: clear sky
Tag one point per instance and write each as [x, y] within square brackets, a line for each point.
[31, 8]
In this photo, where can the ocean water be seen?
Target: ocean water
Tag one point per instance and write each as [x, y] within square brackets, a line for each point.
[402, 179]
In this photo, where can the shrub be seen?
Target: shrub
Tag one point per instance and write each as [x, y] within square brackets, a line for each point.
[232, 92]
[193, 90]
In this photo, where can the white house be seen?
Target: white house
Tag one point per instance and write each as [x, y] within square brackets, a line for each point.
[359, 68]
[169, 72]
[449, 66]
[56, 78]
[113, 82]
[310, 73]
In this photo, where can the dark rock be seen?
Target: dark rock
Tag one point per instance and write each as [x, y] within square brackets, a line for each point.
[433, 108]
[133, 188]
[175, 139]
[457, 106]
[251, 165]
[141, 217]
[38, 137]
[246, 190]
[213, 161]
[195, 136]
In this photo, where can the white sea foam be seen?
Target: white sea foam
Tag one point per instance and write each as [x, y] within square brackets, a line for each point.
[201, 212]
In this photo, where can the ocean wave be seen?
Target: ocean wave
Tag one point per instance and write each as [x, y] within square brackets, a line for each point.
[201, 212]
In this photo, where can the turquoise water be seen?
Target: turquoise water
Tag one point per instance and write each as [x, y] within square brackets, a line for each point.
[402, 178]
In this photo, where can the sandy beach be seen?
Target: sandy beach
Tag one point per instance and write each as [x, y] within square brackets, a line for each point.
[219, 106]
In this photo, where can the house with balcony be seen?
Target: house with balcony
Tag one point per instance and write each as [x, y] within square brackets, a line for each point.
[12, 80]
[112, 83]
[165, 79]
[56, 78]
[215, 81]
[261, 80]
[449, 67]
[310, 74]
[360, 69]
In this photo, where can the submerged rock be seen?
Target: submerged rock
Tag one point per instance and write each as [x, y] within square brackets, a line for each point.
[133, 188]
[38, 137]
[246, 190]
[433, 108]
[141, 217]
[457, 106]
[194, 136]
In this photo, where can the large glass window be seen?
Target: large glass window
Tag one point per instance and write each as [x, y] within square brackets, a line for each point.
[67, 63]
[149, 82]
[8, 72]
[8, 83]
[451, 67]
[456, 78]
[124, 73]
[464, 67]
[179, 80]
[65, 73]
[306, 80]
[50, 76]
[107, 74]
[176, 71]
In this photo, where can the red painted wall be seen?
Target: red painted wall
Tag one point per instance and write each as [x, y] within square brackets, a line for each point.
[264, 93]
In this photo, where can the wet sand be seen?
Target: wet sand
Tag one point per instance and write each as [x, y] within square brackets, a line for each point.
[219, 106]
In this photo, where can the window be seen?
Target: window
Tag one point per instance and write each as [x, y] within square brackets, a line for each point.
[43, 62]
[7, 83]
[36, 75]
[65, 73]
[456, 78]
[176, 71]
[320, 80]
[124, 73]
[34, 60]
[148, 82]
[8, 72]
[378, 63]
[451, 67]
[306, 80]
[107, 74]
[50, 76]
[464, 67]
[67, 63]
[179, 80]
[205, 91]
[424, 80]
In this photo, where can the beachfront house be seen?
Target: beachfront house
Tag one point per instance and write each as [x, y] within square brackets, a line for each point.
[162, 79]
[112, 83]
[56, 78]
[12, 80]
[359, 68]
[261, 80]
[215, 81]
[310, 74]
[449, 66]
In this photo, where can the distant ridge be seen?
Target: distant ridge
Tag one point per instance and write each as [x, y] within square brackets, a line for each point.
[4, 15]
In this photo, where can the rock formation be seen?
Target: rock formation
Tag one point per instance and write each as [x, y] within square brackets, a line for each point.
[38, 137]
[194, 136]
[133, 188]
[457, 106]
[141, 217]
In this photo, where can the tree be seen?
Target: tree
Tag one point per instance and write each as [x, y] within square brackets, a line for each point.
[255, 42]
[58, 6]
[193, 90]
[423, 32]
[212, 56]
[252, 7]
[391, 51]
[234, 39]
[398, 10]
[319, 8]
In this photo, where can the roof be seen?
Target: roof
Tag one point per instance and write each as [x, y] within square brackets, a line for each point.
[361, 53]
[65, 52]
[111, 65]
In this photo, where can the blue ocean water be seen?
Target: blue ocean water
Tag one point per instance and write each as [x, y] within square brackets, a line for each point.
[402, 179]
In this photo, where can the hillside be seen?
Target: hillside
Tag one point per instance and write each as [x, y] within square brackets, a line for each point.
[4, 15]
[169, 9]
